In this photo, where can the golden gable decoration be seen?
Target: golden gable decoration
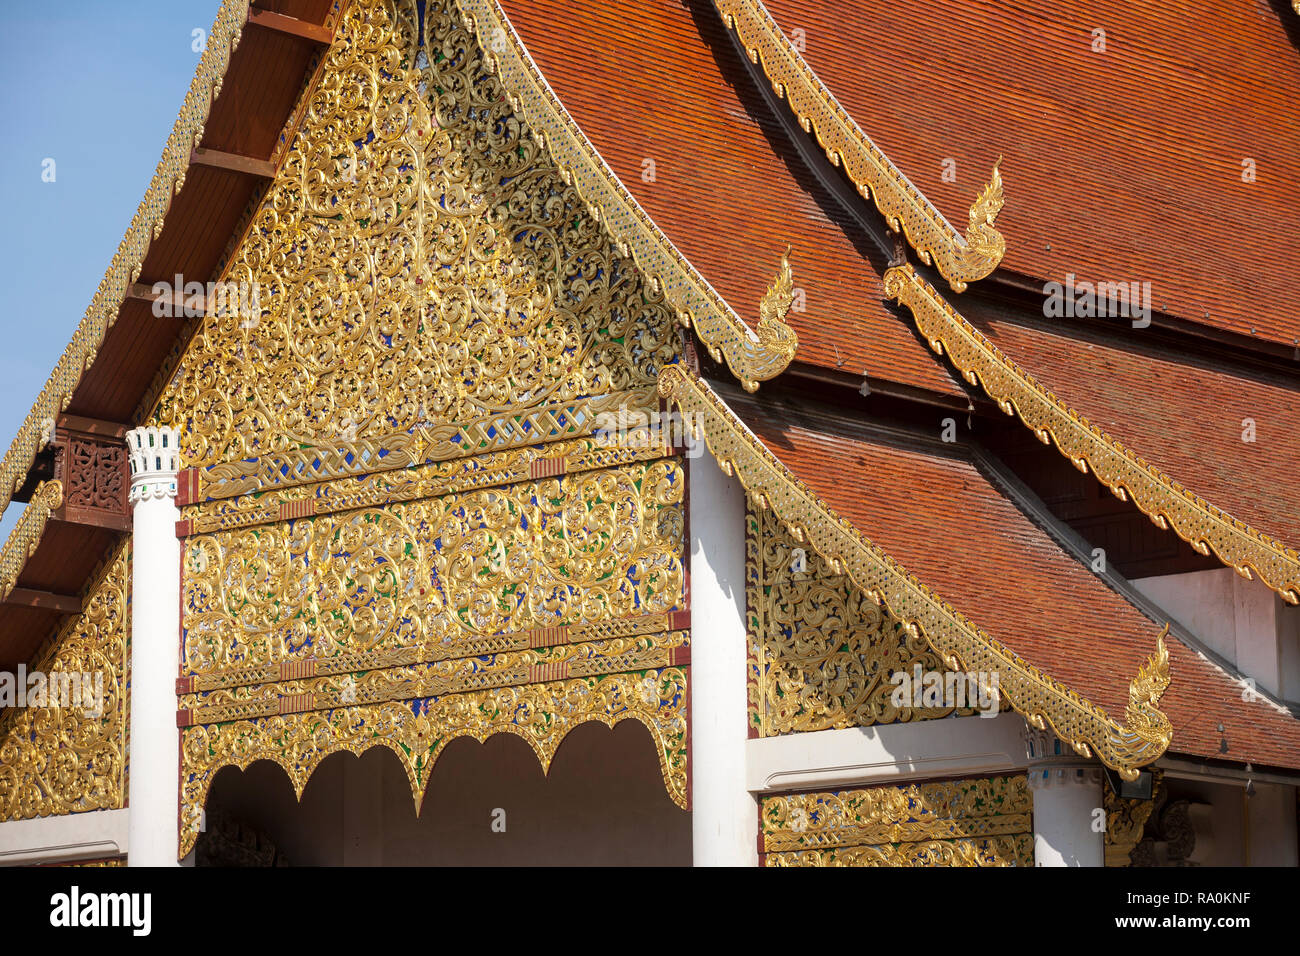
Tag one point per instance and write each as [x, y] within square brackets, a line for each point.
[78, 761]
[418, 260]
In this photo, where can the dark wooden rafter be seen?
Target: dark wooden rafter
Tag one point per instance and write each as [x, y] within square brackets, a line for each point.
[44, 600]
[290, 25]
[233, 162]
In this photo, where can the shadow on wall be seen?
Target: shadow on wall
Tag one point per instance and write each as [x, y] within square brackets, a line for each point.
[489, 804]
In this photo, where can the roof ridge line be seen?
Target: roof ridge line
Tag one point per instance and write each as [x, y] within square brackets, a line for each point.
[751, 357]
[1200, 523]
[960, 259]
[960, 643]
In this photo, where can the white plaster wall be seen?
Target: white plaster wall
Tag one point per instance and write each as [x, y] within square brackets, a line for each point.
[1243, 621]
[887, 754]
[96, 834]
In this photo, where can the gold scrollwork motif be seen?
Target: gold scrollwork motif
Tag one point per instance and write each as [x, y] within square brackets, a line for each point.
[55, 759]
[541, 714]
[956, 639]
[125, 267]
[441, 478]
[423, 445]
[417, 260]
[822, 654]
[1198, 522]
[583, 548]
[1017, 850]
[490, 668]
[1126, 820]
[974, 822]
[751, 357]
[960, 260]
[25, 537]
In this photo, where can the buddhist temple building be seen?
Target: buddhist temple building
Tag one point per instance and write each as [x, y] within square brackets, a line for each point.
[669, 432]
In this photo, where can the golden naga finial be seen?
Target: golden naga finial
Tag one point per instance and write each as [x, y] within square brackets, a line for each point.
[985, 246]
[1142, 715]
[778, 340]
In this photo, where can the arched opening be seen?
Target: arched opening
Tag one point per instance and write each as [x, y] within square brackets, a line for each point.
[487, 804]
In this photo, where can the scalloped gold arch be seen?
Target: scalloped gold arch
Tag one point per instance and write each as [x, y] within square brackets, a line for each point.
[959, 259]
[1198, 522]
[751, 357]
[1144, 736]
[541, 714]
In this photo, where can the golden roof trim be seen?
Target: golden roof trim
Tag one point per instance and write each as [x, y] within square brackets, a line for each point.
[1198, 522]
[125, 266]
[25, 537]
[751, 357]
[962, 645]
[960, 259]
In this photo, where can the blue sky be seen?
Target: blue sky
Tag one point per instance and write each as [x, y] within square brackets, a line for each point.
[94, 85]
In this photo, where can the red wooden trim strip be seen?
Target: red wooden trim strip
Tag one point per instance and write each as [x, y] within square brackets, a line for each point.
[303, 508]
[184, 718]
[541, 673]
[546, 468]
[183, 528]
[297, 670]
[187, 487]
[297, 703]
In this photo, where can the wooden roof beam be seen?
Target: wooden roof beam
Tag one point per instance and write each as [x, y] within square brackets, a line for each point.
[233, 162]
[44, 600]
[291, 26]
[90, 426]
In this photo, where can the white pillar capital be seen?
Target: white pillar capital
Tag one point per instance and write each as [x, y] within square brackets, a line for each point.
[155, 459]
[155, 647]
[1069, 819]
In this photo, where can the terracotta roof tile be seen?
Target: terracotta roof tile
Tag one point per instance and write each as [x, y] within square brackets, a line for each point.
[950, 524]
[661, 80]
[1186, 417]
[1127, 163]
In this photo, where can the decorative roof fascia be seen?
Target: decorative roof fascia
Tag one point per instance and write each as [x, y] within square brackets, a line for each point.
[751, 357]
[25, 538]
[1146, 732]
[124, 269]
[959, 259]
[1198, 522]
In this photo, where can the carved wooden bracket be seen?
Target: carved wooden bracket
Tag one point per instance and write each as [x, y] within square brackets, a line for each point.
[90, 459]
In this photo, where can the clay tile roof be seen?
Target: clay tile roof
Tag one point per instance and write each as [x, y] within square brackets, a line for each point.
[1119, 166]
[1186, 417]
[663, 81]
[951, 521]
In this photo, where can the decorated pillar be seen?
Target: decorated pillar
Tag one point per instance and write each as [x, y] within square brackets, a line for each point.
[724, 815]
[155, 649]
[1069, 815]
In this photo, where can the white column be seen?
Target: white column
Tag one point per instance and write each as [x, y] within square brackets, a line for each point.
[155, 649]
[1069, 815]
[724, 815]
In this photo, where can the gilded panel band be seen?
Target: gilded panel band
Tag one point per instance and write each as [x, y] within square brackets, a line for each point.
[976, 822]
[436, 572]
